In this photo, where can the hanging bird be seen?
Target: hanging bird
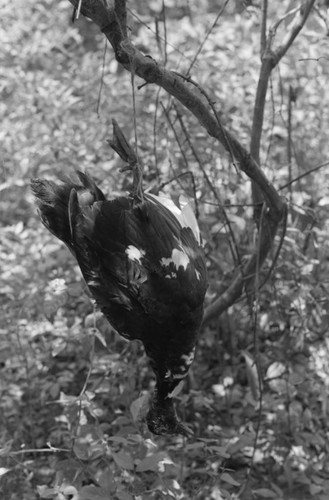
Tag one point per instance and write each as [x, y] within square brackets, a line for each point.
[142, 259]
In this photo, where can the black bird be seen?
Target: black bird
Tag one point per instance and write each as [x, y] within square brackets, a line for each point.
[142, 259]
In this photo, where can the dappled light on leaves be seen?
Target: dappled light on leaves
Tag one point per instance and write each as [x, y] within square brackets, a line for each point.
[73, 393]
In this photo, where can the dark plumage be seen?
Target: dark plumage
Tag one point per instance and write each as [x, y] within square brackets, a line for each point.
[144, 265]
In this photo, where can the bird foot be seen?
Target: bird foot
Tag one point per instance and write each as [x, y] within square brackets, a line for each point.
[166, 422]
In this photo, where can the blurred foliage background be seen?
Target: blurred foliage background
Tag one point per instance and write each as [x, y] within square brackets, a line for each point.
[71, 390]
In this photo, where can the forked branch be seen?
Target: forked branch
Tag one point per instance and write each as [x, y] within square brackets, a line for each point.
[111, 18]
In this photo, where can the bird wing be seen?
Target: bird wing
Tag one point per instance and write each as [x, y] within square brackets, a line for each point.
[140, 259]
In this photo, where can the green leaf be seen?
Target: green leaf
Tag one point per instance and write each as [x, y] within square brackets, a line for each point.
[123, 460]
[227, 478]
[195, 446]
[220, 450]
[275, 370]
[138, 407]
[124, 495]
[46, 492]
[93, 493]
[81, 450]
[3, 471]
[252, 375]
[265, 493]
[315, 489]
[153, 462]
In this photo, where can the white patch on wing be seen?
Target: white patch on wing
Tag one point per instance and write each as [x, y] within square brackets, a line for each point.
[178, 258]
[184, 215]
[189, 219]
[197, 274]
[134, 253]
[177, 390]
[168, 203]
[179, 375]
[93, 279]
[171, 276]
[93, 274]
[92, 283]
[188, 358]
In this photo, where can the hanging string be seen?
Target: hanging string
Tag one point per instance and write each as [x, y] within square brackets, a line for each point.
[137, 168]
[102, 79]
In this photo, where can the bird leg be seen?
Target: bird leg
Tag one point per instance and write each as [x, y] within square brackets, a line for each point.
[162, 417]
[122, 147]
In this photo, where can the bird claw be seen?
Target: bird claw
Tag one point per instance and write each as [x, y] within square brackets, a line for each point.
[167, 423]
[121, 146]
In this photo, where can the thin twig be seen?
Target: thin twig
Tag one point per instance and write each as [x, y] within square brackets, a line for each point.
[305, 174]
[263, 28]
[278, 250]
[228, 143]
[289, 142]
[102, 79]
[77, 13]
[156, 167]
[37, 450]
[165, 32]
[160, 38]
[296, 26]
[256, 355]
[219, 14]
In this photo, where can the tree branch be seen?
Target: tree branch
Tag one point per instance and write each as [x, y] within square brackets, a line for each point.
[111, 20]
[263, 29]
[295, 28]
[270, 59]
[147, 68]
